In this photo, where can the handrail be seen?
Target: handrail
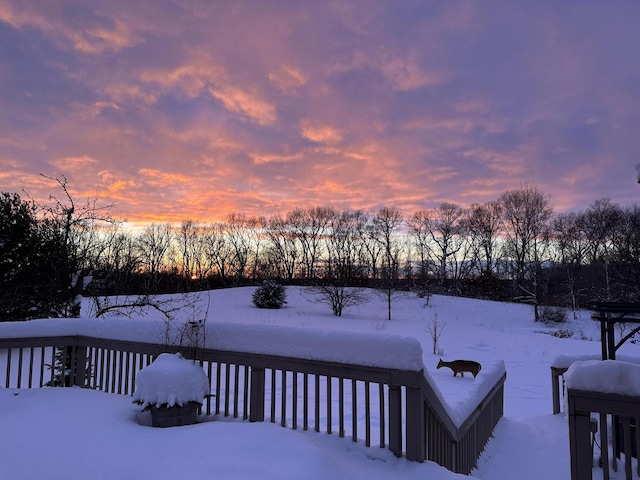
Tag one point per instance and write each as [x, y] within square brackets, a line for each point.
[478, 410]
[432, 399]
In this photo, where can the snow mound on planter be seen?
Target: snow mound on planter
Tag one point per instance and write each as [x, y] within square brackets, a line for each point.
[169, 380]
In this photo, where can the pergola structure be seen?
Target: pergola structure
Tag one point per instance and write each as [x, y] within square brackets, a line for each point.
[609, 314]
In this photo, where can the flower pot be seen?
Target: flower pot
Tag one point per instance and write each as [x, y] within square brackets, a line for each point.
[168, 382]
[174, 416]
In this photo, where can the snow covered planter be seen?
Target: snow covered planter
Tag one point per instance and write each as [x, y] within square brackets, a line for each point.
[172, 388]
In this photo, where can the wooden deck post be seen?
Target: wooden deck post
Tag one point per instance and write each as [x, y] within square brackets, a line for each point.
[395, 420]
[256, 407]
[416, 434]
[579, 442]
[78, 366]
[555, 391]
[556, 377]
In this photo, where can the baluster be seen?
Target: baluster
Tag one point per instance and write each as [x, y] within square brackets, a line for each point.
[20, 367]
[367, 415]
[294, 401]
[382, 416]
[246, 393]
[283, 399]
[218, 388]
[227, 381]
[8, 372]
[30, 367]
[354, 410]
[236, 388]
[329, 420]
[305, 401]
[273, 396]
[208, 399]
[341, 405]
[317, 402]
[42, 362]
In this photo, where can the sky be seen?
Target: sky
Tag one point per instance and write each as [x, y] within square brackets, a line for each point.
[174, 110]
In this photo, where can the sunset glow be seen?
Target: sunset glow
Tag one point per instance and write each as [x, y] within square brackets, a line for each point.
[196, 109]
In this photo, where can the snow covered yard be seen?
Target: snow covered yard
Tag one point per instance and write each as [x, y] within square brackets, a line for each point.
[74, 433]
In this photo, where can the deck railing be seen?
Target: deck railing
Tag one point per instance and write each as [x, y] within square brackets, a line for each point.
[385, 407]
[607, 414]
[559, 367]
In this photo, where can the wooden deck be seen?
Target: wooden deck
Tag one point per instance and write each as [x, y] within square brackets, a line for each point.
[384, 407]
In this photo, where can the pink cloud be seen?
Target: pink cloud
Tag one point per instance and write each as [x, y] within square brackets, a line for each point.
[320, 133]
[287, 78]
[246, 103]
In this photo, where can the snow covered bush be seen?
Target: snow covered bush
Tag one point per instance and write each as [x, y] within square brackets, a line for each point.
[270, 295]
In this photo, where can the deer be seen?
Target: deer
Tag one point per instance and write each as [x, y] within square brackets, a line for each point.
[462, 366]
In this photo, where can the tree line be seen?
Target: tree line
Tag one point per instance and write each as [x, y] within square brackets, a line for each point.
[513, 248]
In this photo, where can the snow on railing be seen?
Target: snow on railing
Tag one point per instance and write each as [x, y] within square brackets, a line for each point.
[559, 367]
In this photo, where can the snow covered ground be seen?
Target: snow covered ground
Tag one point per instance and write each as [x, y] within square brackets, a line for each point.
[79, 434]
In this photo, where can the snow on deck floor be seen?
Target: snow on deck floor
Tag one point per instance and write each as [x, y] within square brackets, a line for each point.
[79, 434]
[527, 448]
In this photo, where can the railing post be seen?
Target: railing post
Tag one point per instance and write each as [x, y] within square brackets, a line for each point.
[395, 420]
[78, 366]
[256, 407]
[416, 434]
[579, 441]
[555, 390]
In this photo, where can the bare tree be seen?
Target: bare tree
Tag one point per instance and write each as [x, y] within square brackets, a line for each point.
[338, 297]
[447, 237]
[526, 212]
[435, 327]
[309, 226]
[570, 244]
[627, 249]
[484, 224]
[419, 228]
[602, 222]
[371, 249]
[257, 227]
[285, 249]
[121, 261]
[153, 244]
[77, 225]
[218, 249]
[343, 247]
[338, 286]
[387, 222]
[237, 229]
[186, 248]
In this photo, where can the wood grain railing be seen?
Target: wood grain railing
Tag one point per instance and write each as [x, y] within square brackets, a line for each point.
[384, 407]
